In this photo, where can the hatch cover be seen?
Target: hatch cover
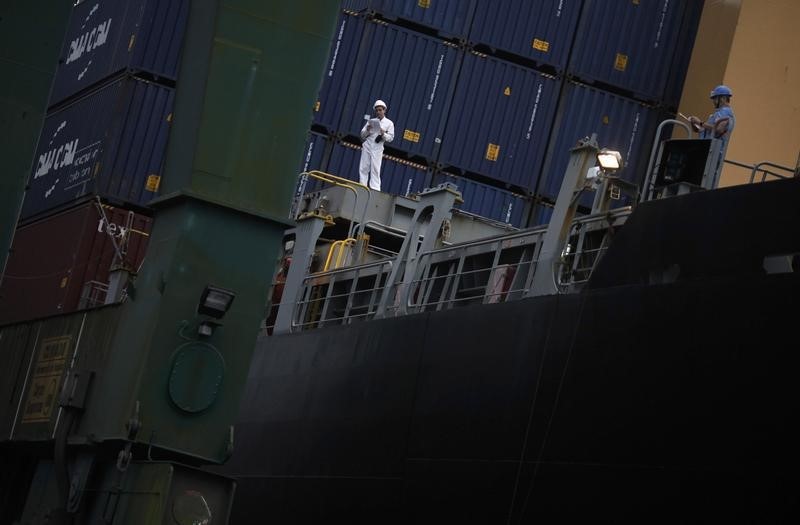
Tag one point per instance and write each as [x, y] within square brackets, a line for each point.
[196, 376]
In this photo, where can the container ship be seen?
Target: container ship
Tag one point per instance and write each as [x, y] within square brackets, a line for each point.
[562, 305]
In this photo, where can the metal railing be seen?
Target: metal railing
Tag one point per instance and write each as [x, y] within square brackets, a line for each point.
[486, 271]
[93, 294]
[761, 168]
[341, 295]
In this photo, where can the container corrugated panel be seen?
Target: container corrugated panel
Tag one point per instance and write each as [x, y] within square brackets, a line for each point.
[315, 157]
[398, 176]
[621, 124]
[450, 18]
[541, 215]
[488, 201]
[414, 74]
[49, 349]
[56, 261]
[683, 54]
[338, 72]
[15, 343]
[631, 45]
[538, 30]
[501, 120]
[110, 142]
[108, 36]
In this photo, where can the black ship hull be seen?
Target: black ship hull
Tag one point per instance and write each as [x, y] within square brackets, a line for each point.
[666, 392]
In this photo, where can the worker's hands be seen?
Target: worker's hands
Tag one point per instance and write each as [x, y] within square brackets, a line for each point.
[696, 123]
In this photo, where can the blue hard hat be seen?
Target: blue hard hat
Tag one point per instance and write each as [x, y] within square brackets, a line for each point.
[721, 91]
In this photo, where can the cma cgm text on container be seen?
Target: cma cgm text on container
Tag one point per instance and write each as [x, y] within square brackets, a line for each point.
[111, 142]
[106, 37]
[62, 262]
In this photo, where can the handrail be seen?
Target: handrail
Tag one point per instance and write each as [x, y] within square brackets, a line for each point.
[647, 186]
[415, 293]
[347, 183]
[340, 245]
[586, 219]
[323, 273]
[757, 168]
[344, 183]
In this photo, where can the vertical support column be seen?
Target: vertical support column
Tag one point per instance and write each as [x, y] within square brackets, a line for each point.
[436, 203]
[309, 228]
[714, 164]
[581, 159]
[117, 282]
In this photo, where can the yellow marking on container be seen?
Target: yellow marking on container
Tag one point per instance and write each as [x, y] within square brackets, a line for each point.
[64, 281]
[46, 379]
[316, 107]
[541, 45]
[492, 152]
[169, 117]
[411, 136]
[425, 4]
[606, 120]
[153, 182]
[507, 91]
[621, 62]
[131, 41]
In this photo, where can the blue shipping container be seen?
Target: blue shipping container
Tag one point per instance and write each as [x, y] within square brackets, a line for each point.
[539, 30]
[488, 201]
[541, 215]
[110, 143]
[105, 37]
[338, 72]
[414, 74]
[621, 124]
[450, 18]
[398, 176]
[633, 45]
[500, 121]
[315, 157]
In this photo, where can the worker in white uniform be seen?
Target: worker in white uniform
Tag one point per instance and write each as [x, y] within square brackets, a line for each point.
[375, 133]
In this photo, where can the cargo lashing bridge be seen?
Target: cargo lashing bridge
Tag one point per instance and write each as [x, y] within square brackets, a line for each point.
[446, 259]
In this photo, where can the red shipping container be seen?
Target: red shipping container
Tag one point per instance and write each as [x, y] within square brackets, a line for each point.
[61, 264]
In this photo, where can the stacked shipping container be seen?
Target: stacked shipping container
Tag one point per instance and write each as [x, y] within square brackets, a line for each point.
[111, 142]
[103, 142]
[63, 262]
[492, 94]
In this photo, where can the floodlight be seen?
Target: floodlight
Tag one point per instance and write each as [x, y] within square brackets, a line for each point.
[609, 160]
[215, 301]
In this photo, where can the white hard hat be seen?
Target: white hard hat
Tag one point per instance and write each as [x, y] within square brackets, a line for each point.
[379, 102]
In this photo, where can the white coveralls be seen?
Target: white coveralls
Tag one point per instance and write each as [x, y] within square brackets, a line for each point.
[369, 169]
